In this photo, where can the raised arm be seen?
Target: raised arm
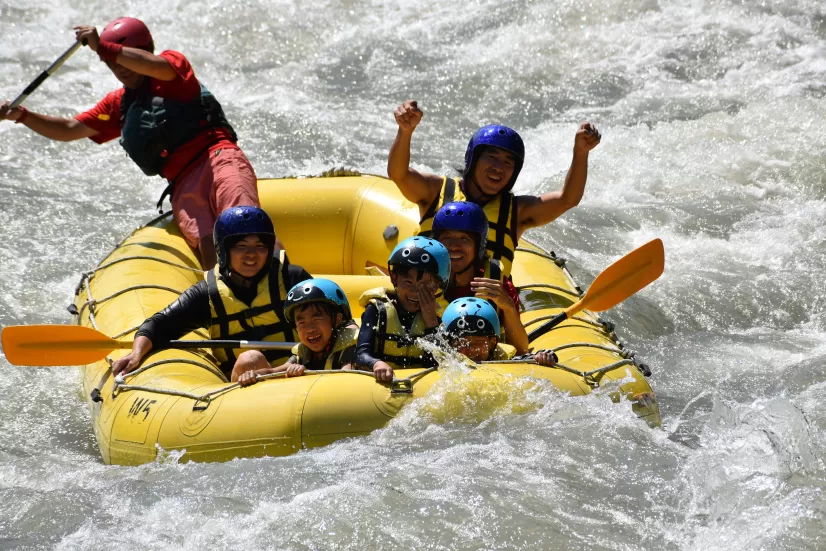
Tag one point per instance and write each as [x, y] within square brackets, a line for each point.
[134, 59]
[54, 128]
[537, 211]
[417, 187]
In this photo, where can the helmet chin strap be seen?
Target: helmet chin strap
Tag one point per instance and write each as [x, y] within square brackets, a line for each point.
[477, 191]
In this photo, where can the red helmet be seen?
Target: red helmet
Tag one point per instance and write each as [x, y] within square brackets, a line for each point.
[129, 32]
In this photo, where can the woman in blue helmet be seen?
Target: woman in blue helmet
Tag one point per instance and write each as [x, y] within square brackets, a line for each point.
[319, 312]
[462, 228]
[493, 160]
[472, 326]
[394, 319]
[242, 298]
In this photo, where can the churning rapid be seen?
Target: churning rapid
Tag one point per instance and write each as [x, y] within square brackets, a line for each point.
[714, 139]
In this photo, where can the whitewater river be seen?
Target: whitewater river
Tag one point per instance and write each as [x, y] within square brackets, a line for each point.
[714, 139]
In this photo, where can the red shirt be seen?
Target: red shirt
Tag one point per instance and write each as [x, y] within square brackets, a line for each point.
[104, 117]
[453, 292]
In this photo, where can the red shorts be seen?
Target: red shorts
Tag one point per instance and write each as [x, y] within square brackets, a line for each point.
[223, 178]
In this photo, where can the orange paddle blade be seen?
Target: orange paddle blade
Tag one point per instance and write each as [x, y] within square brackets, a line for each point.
[623, 278]
[56, 345]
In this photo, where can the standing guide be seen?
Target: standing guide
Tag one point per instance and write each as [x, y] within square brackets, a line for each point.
[168, 123]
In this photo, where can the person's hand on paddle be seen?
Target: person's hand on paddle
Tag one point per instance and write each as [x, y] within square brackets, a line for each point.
[587, 138]
[10, 114]
[427, 304]
[408, 115]
[88, 36]
[492, 290]
[383, 372]
[545, 358]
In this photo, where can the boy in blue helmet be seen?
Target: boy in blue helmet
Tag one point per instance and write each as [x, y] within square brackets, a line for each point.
[493, 160]
[393, 320]
[462, 228]
[319, 312]
[242, 298]
[472, 326]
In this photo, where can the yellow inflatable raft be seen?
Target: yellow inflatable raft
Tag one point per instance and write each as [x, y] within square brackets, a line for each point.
[336, 227]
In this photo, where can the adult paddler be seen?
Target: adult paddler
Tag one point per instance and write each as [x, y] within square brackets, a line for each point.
[493, 159]
[169, 124]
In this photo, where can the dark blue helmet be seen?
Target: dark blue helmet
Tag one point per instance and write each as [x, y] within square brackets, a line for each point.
[466, 217]
[237, 222]
[471, 317]
[499, 136]
[316, 290]
[424, 254]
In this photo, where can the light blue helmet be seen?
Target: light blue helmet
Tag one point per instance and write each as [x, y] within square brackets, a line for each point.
[471, 317]
[316, 290]
[424, 254]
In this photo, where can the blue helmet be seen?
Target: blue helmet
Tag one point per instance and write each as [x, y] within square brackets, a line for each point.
[499, 136]
[471, 317]
[422, 253]
[316, 290]
[238, 222]
[463, 216]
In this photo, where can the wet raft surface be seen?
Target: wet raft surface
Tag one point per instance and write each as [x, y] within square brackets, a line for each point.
[179, 401]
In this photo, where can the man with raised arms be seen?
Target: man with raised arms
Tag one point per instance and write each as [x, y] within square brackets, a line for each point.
[493, 160]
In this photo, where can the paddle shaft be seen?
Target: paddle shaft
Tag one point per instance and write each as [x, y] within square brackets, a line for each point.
[44, 75]
[257, 345]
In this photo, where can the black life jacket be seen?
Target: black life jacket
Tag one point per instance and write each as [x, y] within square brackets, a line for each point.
[153, 127]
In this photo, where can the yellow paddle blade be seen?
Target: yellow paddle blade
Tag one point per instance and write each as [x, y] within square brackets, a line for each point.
[56, 345]
[623, 278]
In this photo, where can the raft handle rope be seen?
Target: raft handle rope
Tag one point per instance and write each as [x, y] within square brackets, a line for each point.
[202, 401]
[587, 376]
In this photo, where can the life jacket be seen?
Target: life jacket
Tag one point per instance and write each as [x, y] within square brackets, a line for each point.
[393, 343]
[346, 337]
[501, 213]
[263, 320]
[153, 127]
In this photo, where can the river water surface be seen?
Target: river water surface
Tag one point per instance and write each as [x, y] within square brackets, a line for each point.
[714, 139]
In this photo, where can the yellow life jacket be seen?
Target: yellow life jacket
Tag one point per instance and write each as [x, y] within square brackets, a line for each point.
[502, 221]
[346, 337]
[263, 320]
[392, 343]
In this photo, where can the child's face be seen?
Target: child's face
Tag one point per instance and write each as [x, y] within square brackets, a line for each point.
[248, 256]
[462, 249]
[493, 170]
[407, 287]
[476, 348]
[314, 326]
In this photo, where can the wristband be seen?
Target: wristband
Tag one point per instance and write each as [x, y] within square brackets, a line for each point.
[109, 51]
[23, 114]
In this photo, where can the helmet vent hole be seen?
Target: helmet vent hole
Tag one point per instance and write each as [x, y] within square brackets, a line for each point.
[339, 294]
[501, 131]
